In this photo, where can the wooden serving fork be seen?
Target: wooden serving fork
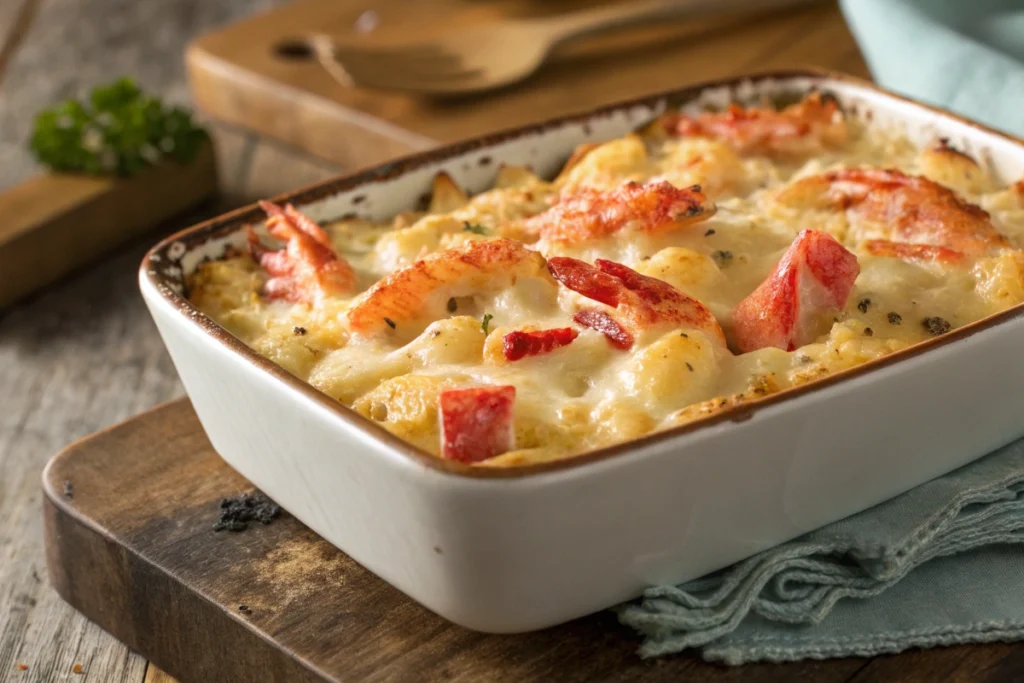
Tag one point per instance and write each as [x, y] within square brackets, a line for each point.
[498, 54]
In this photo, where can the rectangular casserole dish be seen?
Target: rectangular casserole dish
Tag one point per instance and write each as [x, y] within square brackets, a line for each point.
[510, 550]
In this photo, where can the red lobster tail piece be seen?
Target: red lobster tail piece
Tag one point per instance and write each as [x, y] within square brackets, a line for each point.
[641, 302]
[588, 214]
[520, 344]
[308, 268]
[476, 423]
[791, 307]
[606, 325]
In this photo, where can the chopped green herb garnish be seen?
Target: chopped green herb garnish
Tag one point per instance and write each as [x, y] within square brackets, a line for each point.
[474, 227]
[486, 322]
[895, 318]
[119, 131]
[863, 305]
[453, 305]
[390, 322]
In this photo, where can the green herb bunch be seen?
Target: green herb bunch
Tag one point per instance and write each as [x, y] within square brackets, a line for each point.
[120, 131]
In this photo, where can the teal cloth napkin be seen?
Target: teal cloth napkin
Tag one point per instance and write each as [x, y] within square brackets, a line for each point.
[963, 55]
[941, 564]
[943, 559]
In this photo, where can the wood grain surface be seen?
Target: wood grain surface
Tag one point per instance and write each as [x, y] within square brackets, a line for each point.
[133, 547]
[239, 75]
[84, 354]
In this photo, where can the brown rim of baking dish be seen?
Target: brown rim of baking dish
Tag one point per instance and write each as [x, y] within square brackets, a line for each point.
[159, 270]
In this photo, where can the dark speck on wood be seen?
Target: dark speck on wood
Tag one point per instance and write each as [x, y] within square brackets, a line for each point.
[237, 513]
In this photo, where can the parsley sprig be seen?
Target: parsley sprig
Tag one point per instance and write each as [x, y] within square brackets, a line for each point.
[118, 131]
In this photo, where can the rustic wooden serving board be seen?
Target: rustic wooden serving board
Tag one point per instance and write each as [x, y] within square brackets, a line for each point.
[57, 222]
[254, 73]
[129, 542]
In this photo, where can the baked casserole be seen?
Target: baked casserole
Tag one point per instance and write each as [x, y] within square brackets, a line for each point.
[705, 261]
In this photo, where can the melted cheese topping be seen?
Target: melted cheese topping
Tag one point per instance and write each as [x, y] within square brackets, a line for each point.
[589, 394]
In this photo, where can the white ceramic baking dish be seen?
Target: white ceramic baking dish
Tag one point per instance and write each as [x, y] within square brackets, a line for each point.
[520, 549]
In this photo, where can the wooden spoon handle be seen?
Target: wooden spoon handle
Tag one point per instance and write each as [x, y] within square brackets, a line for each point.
[618, 15]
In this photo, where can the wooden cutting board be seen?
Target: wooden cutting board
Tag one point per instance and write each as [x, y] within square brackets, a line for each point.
[56, 223]
[129, 542]
[257, 74]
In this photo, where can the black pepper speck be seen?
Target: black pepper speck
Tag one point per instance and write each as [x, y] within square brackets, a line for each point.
[722, 257]
[936, 325]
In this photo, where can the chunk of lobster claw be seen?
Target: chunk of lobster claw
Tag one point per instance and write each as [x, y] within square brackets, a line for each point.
[641, 303]
[797, 302]
[476, 423]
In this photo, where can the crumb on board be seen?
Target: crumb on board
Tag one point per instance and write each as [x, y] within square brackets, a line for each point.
[77, 668]
[22, 666]
[236, 513]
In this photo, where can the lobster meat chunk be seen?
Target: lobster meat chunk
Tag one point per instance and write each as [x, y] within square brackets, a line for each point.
[307, 269]
[486, 265]
[588, 214]
[890, 204]
[606, 325]
[476, 423]
[641, 303]
[520, 344]
[807, 127]
[810, 282]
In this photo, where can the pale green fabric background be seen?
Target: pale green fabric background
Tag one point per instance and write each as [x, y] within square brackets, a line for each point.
[962, 55]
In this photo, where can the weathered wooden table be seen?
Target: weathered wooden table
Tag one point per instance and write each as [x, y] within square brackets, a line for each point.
[83, 355]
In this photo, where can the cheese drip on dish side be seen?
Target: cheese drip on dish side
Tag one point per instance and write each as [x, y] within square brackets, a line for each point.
[703, 262]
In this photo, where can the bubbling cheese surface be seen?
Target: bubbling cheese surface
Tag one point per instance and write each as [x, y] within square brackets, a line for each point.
[590, 394]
